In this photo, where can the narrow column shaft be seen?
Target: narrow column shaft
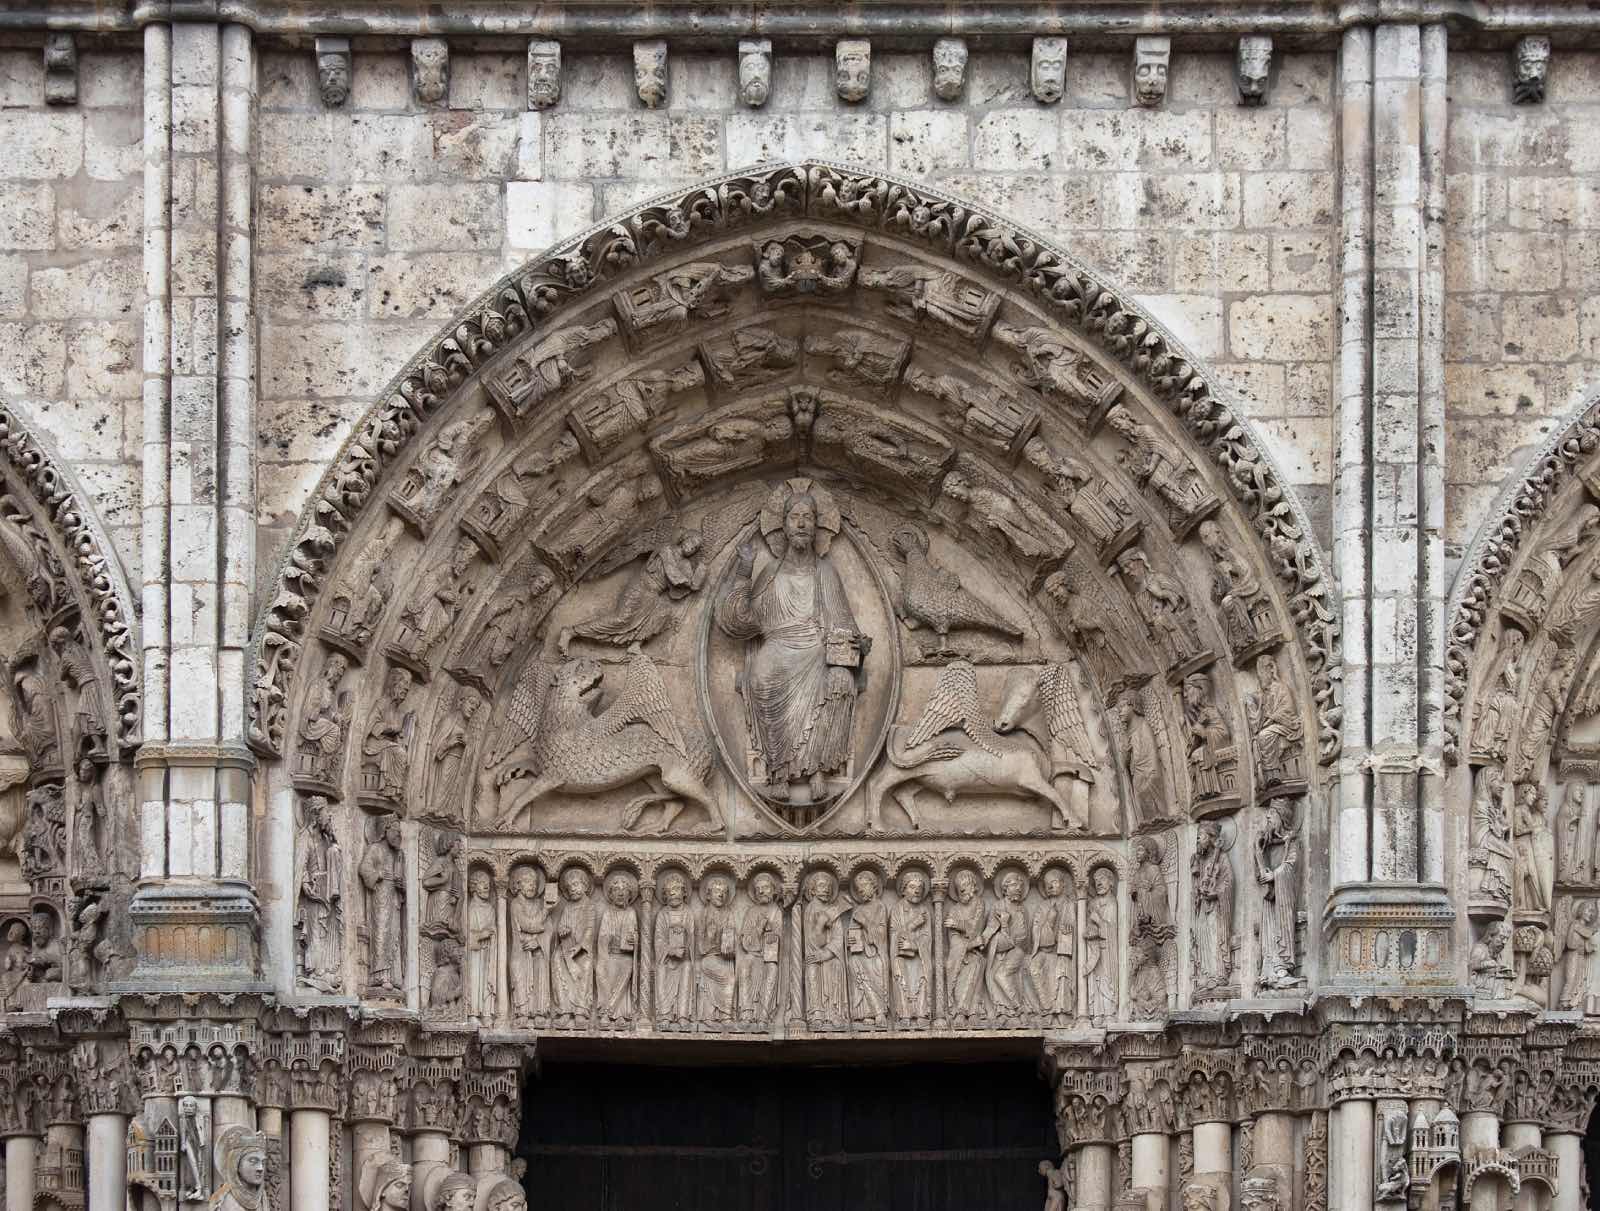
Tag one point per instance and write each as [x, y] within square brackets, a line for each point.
[1396, 541]
[485, 1159]
[230, 1110]
[1481, 1129]
[1096, 1178]
[22, 1153]
[369, 1139]
[308, 1163]
[1569, 1171]
[1524, 1135]
[108, 1161]
[1274, 1146]
[430, 1150]
[1352, 1155]
[1432, 585]
[1213, 1148]
[1152, 1168]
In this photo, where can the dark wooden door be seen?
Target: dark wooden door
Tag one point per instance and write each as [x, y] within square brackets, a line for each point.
[953, 1137]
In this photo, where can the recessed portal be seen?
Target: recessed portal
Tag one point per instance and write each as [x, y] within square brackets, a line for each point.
[945, 1137]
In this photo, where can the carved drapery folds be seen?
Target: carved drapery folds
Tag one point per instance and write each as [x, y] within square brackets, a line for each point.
[805, 505]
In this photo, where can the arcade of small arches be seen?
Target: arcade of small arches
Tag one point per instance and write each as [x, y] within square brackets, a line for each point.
[803, 611]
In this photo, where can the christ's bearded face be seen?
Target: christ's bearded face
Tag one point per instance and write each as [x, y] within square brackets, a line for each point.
[800, 524]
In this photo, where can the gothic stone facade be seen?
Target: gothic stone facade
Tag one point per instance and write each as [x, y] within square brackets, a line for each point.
[891, 527]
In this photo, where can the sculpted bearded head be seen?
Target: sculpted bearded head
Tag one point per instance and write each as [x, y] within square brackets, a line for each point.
[1049, 73]
[544, 74]
[755, 71]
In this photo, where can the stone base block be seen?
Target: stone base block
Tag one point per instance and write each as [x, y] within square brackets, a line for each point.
[1390, 934]
[206, 935]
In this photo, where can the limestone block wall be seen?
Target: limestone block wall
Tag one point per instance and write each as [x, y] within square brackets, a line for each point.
[1522, 271]
[379, 220]
[71, 277]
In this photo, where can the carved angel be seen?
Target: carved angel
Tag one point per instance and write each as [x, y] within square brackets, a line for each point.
[577, 751]
[672, 569]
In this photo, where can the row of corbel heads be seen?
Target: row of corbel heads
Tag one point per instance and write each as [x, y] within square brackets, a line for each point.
[1152, 55]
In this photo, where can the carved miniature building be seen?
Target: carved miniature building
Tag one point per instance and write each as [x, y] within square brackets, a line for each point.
[539, 548]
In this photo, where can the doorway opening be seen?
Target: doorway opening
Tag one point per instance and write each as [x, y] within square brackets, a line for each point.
[914, 1137]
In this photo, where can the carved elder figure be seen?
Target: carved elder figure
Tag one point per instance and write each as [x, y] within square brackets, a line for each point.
[1279, 727]
[799, 680]
[483, 945]
[1280, 889]
[1211, 949]
[382, 874]
[387, 746]
[319, 910]
[1164, 606]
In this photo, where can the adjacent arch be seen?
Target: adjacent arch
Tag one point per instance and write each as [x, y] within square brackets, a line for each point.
[44, 502]
[1528, 515]
[1523, 724]
[70, 718]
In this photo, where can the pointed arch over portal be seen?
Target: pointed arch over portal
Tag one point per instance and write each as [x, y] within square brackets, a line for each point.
[1077, 313]
[803, 505]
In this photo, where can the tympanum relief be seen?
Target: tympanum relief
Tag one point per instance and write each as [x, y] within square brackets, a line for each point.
[801, 539]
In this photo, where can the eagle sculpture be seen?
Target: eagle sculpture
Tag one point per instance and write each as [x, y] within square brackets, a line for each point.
[932, 596]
